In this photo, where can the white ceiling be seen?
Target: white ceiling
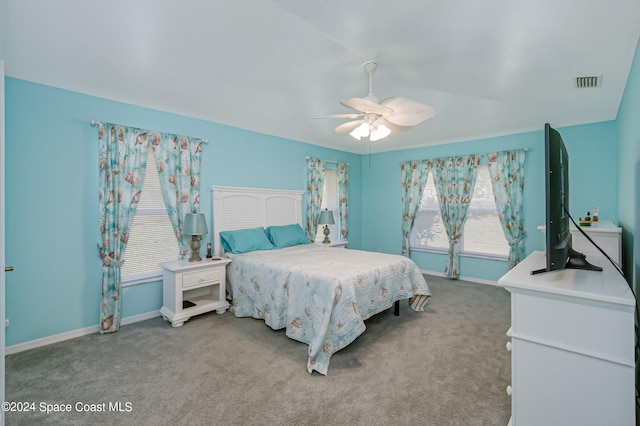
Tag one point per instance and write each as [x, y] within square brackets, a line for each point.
[489, 67]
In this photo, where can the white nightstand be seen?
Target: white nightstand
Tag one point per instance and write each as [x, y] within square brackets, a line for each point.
[340, 244]
[193, 288]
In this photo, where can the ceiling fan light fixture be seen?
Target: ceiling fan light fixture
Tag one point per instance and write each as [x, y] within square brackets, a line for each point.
[362, 131]
[372, 131]
[380, 132]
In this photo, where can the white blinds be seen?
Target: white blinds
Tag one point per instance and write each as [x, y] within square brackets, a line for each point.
[151, 239]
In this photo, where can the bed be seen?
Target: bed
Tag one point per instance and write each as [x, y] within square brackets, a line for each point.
[320, 295]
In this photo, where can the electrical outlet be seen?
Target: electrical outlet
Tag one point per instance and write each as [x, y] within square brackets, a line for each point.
[6, 322]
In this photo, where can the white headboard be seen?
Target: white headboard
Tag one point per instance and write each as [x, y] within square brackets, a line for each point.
[242, 208]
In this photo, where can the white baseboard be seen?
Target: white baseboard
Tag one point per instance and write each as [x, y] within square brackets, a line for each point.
[32, 344]
[141, 317]
[462, 277]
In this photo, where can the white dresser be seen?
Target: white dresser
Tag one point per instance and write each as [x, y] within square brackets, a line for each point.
[604, 233]
[572, 345]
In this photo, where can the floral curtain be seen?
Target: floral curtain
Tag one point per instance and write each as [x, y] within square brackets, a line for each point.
[454, 179]
[506, 169]
[122, 156]
[315, 185]
[414, 177]
[178, 162]
[343, 197]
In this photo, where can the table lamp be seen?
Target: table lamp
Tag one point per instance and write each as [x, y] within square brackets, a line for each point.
[326, 218]
[195, 225]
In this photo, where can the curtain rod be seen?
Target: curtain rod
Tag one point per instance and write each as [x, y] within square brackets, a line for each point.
[328, 161]
[95, 123]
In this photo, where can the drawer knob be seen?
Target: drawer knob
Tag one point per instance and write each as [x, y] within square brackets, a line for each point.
[509, 390]
[509, 346]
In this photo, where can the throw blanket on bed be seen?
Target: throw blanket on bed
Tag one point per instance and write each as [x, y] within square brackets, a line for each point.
[321, 295]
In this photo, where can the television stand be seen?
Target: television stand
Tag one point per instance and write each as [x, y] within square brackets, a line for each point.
[576, 260]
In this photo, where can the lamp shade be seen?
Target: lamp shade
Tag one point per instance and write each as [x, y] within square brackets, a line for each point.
[194, 224]
[326, 218]
[362, 131]
[379, 132]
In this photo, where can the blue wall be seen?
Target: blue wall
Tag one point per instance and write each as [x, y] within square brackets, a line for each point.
[52, 201]
[629, 171]
[592, 148]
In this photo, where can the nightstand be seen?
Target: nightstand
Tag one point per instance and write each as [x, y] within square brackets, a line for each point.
[193, 288]
[340, 244]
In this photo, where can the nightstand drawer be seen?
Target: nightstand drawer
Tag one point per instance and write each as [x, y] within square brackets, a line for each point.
[195, 279]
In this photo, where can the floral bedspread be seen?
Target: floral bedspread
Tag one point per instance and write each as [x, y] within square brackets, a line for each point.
[321, 295]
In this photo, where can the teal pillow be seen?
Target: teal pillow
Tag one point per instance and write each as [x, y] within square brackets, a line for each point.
[245, 240]
[287, 235]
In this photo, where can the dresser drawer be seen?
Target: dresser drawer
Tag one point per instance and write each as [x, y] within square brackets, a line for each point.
[197, 279]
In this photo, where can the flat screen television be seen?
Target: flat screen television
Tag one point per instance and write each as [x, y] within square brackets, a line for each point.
[559, 253]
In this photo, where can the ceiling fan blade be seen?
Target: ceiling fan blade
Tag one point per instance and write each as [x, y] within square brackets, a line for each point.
[407, 112]
[395, 129]
[339, 116]
[348, 126]
[366, 106]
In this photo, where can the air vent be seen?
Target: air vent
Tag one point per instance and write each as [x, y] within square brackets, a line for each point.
[589, 81]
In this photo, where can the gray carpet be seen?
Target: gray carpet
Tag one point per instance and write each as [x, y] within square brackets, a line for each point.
[445, 366]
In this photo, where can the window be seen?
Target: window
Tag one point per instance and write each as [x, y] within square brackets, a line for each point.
[330, 201]
[482, 235]
[151, 239]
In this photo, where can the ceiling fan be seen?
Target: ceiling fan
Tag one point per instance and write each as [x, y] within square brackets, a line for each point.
[377, 120]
